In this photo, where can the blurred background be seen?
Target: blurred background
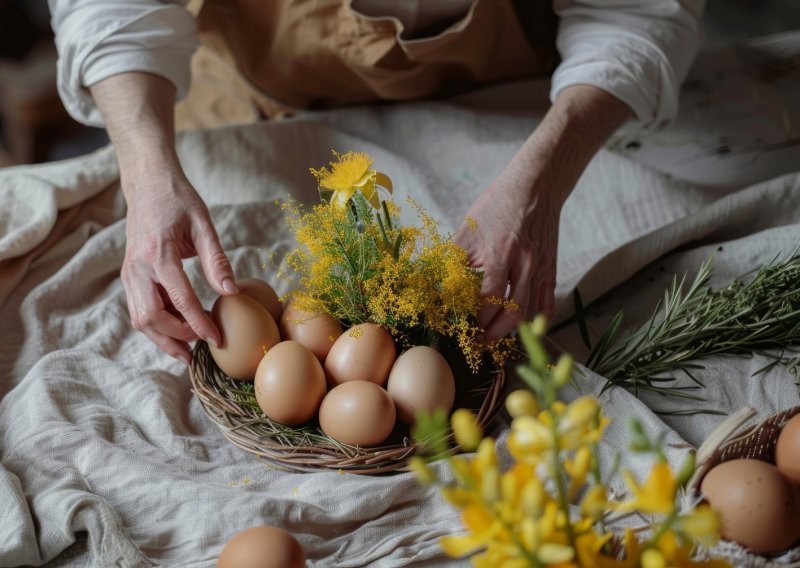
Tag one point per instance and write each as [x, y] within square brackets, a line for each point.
[34, 127]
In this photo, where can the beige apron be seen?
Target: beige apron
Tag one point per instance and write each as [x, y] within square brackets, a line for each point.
[264, 58]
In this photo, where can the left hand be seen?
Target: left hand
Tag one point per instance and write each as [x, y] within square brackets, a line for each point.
[514, 239]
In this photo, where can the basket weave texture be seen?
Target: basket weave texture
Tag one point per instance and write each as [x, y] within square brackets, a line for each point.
[307, 449]
[732, 441]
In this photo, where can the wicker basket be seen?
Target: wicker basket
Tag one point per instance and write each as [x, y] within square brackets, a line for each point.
[307, 449]
[730, 441]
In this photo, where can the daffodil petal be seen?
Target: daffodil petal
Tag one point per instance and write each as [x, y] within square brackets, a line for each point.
[342, 196]
[369, 176]
[371, 194]
[383, 180]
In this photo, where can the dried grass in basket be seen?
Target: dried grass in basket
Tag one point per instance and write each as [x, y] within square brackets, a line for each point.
[229, 404]
[730, 441]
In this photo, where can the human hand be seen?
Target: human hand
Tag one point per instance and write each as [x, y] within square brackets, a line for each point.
[511, 232]
[515, 235]
[167, 221]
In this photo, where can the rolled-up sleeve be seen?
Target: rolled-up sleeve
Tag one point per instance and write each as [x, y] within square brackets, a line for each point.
[640, 52]
[100, 38]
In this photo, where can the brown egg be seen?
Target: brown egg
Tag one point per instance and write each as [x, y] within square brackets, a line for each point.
[359, 413]
[290, 384]
[317, 331]
[756, 503]
[262, 547]
[421, 379]
[787, 450]
[262, 293]
[248, 331]
[365, 352]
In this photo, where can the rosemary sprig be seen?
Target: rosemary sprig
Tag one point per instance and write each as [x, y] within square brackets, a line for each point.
[759, 315]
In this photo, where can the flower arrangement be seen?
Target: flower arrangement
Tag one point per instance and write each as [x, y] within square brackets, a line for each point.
[356, 262]
[520, 517]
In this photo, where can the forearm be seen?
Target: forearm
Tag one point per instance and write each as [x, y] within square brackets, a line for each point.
[138, 111]
[577, 125]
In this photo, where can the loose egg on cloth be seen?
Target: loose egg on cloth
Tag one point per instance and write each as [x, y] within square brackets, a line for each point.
[365, 352]
[421, 379]
[262, 293]
[756, 503]
[262, 547]
[317, 331]
[787, 450]
[290, 384]
[248, 331]
[359, 413]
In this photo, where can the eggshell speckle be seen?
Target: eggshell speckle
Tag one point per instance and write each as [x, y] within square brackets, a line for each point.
[317, 331]
[756, 503]
[262, 547]
[359, 413]
[247, 330]
[290, 384]
[365, 352]
[421, 379]
[262, 293]
[787, 450]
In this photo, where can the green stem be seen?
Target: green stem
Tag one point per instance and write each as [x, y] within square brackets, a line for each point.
[663, 528]
[561, 489]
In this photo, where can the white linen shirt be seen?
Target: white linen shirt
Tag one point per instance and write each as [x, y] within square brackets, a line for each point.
[637, 50]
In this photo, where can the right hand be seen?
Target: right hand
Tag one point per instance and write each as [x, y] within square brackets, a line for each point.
[167, 222]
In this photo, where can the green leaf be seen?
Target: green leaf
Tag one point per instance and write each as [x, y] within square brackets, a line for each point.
[580, 318]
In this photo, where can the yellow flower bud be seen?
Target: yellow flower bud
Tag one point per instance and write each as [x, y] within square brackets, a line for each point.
[578, 466]
[652, 558]
[490, 485]
[531, 435]
[595, 502]
[539, 325]
[486, 458]
[466, 429]
[579, 414]
[533, 497]
[549, 520]
[522, 402]
[529, 536]
[424, 473]
[702, 524]
[550, 553]
[563, 370]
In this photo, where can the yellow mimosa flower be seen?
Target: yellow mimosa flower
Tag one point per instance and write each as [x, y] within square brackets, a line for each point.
[350, 174]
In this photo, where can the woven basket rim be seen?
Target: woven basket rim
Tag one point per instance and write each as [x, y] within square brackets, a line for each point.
[244, 428]
[736, 439]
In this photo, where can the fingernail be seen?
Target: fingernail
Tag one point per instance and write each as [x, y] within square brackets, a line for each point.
[213, 342]
[229, 286]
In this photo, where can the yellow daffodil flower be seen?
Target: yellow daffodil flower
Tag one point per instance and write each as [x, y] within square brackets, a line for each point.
[350, 174]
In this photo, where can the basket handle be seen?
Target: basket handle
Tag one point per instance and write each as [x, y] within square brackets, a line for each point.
[715, 439]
